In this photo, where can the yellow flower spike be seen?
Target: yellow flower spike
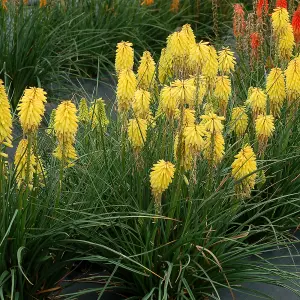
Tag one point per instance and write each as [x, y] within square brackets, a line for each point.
[126, 88]
[242, 171]
[124, 57]
[137, 132]
[177, 45]
[213, 123]
[168, 102]
[222, 92]
[280, 20]
[50, 129]
[257, 101]
[146, 71]
[83, 112]
[226, 61]
[141, 103]
[210, 68]
[31, 109]
[21, 164]
[67, 153]
[286, 43]
[292, 74]
[198, 55]
[188, 32]
[264, 128]
[66, 122]
[214, 147]
[193, 137]
[239, 121]
[275, 88]
[188, 116]
[97, 114]
[165, 66]
[184, 91]
[5, 118]
[161, 176]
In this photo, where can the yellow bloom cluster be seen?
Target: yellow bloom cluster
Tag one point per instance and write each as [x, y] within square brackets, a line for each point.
[239, 120]
[65, 126]
[264, 128]
[243, 171]
[284, 32]
[83, 111]
[257, 101]
[275, 87]
[292, 74]
[226, 61]
[161, 176]
[146, 71]
[97, 114]
[31, 109]
[141, 103]
[222, 92]
[124, 57]
[137, 132]
[165, 66]
[5, 119]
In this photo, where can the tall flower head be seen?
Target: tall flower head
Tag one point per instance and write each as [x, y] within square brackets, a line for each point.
[296, 25]
[213, 123]
[257, 100]
[226, 61]
[292, 75]
[177, 45]
[31, 109]
[161, 176]
[286, 43]
[137, 132]
[214, 147]
[188, 116]
[193, 137]
[124, 56]
[210, 68]
[66, 122]
[239, 120]
[280, 20]
[168, 102]
[126, 88]
[262, 8]
[66, 153]
[243, 171]
[24, 175]
[146, 71]
[141, 103]
[189, 33]
[184, 91]
[281, 3]
[97, 114]
[165, 66]
[255, 42]
[222, 92]
[264, 128]
[5, 118]
[275, 88]
[198, 55]
[83, 111]
[239, 23]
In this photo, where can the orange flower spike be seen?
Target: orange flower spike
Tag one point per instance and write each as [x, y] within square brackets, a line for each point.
[175, 6]
[262, 8]
[239, 23]
[43, 3]
[147, 2]
[281, 3]
[4, 4]
[296, 25]
[255, 42]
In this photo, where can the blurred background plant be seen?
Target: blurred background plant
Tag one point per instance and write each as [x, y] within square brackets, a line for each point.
[49, 43]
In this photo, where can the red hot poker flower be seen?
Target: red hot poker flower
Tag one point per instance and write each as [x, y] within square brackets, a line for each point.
[255, 43]
[262, 8]
[296, 25]
[239, 23]
[281, 3]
